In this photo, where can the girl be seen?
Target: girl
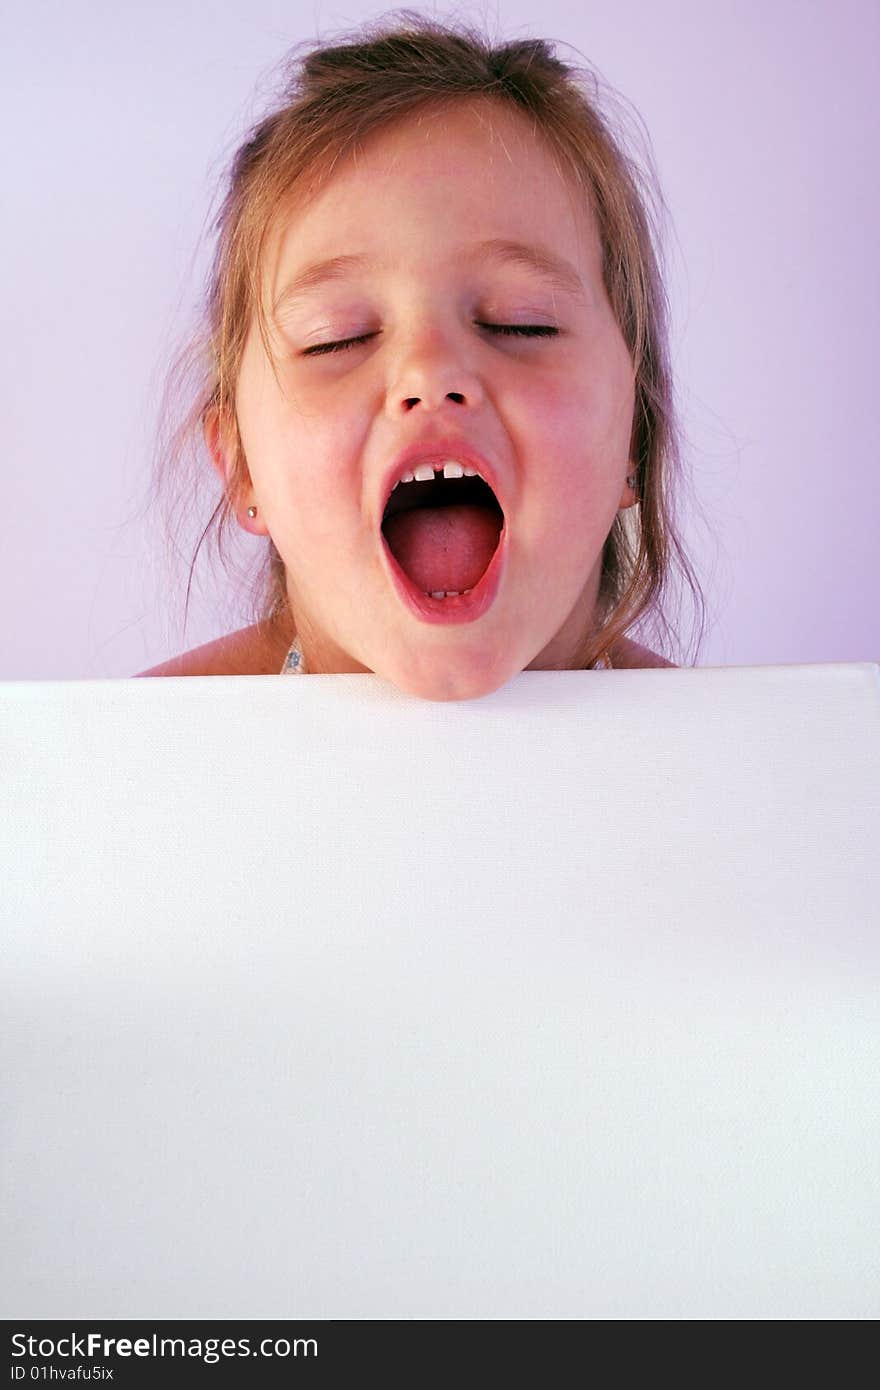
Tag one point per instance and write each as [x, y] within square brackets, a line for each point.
[436, 372]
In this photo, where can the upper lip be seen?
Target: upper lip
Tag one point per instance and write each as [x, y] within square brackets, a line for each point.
[438, 450]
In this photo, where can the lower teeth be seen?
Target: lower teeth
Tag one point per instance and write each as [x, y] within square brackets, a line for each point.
[446, 593]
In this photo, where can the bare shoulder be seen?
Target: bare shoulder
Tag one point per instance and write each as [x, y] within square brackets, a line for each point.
[252, 651]
[632, 656]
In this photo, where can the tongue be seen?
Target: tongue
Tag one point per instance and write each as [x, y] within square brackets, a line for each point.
[445, 548]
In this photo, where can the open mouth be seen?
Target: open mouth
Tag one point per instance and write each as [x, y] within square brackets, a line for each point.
[443, 534]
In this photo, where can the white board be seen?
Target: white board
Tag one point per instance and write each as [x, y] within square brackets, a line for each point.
[323, 1001]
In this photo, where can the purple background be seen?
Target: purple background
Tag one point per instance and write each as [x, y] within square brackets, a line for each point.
[763, 120]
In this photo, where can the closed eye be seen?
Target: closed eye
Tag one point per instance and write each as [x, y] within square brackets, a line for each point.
[528, 330]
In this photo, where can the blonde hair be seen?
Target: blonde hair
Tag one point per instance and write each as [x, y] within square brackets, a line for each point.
[334, 96]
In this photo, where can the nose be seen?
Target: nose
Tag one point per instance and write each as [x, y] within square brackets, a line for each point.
[431, 371]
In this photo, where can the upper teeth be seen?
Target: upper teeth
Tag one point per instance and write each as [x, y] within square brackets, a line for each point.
[424, 472]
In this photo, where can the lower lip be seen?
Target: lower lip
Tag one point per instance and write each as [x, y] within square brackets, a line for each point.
[464, 608]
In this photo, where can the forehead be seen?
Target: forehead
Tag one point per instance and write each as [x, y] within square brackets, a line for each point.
[435, 141]
[450, 174]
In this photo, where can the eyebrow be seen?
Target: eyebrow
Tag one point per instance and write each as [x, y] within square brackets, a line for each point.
[559, 272]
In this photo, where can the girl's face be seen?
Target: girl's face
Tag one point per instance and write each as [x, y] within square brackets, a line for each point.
[552, 414]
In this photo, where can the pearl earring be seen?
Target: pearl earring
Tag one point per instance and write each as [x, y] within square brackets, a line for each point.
[252, 511]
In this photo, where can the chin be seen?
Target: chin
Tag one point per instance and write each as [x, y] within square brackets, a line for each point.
[453, 680]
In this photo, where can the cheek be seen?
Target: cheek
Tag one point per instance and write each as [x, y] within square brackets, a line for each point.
[317, 473]
[573, 437]
[328, 466]
[578, 502]
[294, 455]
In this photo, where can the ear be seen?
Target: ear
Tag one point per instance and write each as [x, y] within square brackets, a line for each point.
[215, 443]
[222, 456]
[629, 496]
